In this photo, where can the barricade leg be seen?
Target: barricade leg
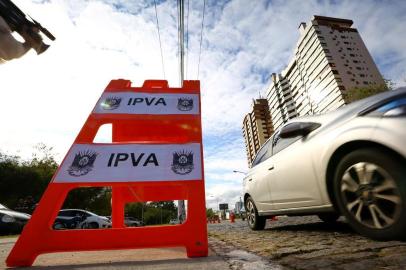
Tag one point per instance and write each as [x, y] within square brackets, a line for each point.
[198, 245]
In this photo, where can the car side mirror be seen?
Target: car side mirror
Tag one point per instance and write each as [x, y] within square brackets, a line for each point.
[298, 129]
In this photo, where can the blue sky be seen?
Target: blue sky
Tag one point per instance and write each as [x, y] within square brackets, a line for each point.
[243, 43]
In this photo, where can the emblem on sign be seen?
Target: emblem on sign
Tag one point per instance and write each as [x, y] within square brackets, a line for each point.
[111, 103]
[182, 162]
[185, 104]
[82, 163]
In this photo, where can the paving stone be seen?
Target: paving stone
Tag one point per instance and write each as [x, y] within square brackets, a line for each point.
[308, 243]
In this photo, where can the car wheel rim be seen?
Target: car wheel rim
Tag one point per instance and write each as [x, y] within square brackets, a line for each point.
[250, 213]
[370, 195]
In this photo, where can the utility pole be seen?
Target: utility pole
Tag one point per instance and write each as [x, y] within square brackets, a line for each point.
[181, 203]
[181, 40]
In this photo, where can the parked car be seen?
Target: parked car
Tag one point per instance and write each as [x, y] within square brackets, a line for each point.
[78, 218]
[349, 162]
[174, 221]
[132, 222]
[11, 221]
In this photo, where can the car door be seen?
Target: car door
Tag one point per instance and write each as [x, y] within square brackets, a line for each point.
[257, 178]
[293, 183]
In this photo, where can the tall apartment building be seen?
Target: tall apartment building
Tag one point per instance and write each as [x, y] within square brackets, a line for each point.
[257, 128]
[329, 58]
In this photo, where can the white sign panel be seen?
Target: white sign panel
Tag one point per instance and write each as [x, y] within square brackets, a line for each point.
[131, 163]
[147, 103]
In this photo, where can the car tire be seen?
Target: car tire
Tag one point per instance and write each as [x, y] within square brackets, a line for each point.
[370, 191]
[93, 225]
[255, 222]
[329, 217]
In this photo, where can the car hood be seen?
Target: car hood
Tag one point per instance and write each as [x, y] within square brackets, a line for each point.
[14, 214]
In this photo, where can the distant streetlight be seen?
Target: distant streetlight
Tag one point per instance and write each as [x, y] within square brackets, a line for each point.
[217, 200]
[235, 171]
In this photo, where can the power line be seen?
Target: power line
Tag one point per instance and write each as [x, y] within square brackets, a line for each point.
[160, 43]
[201, 38]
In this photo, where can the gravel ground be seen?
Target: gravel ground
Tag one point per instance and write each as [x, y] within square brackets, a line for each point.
[306, 243]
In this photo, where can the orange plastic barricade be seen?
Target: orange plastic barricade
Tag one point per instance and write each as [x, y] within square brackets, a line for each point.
[156, 155]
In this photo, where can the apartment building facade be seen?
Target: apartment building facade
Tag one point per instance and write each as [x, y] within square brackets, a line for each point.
[329, 58]
[257, 128]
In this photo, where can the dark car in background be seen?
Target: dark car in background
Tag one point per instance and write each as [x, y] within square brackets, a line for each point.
[12, 222]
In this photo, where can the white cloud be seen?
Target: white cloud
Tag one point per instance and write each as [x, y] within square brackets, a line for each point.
[223, 193]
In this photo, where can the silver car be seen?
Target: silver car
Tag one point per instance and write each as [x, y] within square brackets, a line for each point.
[349, 162]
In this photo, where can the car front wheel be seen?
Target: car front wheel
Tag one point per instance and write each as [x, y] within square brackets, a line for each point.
[255, 222]
[370, 190]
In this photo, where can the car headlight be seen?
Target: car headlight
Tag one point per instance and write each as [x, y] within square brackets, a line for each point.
[393, 108]
[8, 219]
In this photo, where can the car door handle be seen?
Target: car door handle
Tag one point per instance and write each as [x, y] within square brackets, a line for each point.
[271, 168]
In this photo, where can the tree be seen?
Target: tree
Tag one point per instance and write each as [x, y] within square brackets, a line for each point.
[209, 213]
[22, 183]
[93, 199]
[152, 213]
[358, 93]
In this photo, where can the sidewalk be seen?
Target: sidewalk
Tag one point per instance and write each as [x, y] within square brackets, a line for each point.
[156, 259]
